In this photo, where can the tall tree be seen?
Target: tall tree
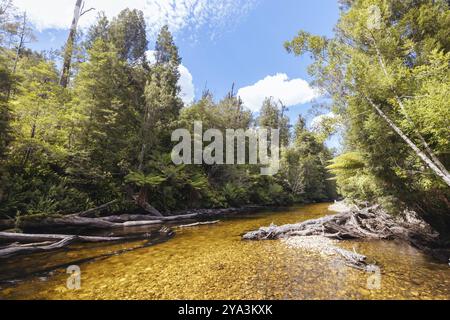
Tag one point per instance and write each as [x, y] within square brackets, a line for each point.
[24, 34]
[109, 101]
[272, 116]
[162, 105]
[127, 33]
[39, 118]
[68, 50]
[99, 30]
[5, 117]
[8, 29]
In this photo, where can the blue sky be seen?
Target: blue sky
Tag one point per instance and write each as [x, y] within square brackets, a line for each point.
[221, 41]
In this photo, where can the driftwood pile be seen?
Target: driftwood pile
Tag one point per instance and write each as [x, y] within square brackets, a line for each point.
[368, 223]
[371, 223]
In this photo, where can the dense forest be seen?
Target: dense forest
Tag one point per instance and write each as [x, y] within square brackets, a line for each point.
[92, 124]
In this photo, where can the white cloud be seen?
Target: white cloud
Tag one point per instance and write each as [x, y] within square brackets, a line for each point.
[186, 84]
[318, 120]
[151, 58]
[280, 87]
[186, 81]
[178, 14]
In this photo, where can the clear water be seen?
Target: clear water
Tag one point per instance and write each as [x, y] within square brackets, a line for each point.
[211, 262]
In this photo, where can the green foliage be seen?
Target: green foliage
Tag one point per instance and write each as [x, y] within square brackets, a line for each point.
[303, 167]
[108, 135]
[235, 195]
[5, 85]
[127, 32]
[39, 189]
[353, 178]
[400, 62]
[142, 180]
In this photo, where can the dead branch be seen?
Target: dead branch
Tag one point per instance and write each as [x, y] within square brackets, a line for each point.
[198, 224]
[35, 243]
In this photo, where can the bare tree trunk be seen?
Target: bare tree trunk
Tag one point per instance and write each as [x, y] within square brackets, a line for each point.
[64, 81]
[420, 153]
[19, 49]
[427, 147]
[142, 201]
[21, 42]
[29, 148]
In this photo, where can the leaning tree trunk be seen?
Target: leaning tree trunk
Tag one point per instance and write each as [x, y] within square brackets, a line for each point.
[445, 177]
[21, 42]
[64, 81]
[427, 147]
[18, 51]
[142, 201]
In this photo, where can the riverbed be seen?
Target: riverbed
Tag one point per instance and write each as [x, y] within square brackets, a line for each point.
[211, 262]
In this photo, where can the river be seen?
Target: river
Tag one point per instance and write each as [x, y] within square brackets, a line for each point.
[211, 262]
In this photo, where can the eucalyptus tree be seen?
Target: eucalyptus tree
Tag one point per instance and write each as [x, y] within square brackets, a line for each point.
[79, 11]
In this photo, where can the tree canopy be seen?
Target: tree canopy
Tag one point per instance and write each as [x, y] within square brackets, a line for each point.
[106, 134]
[387, 73]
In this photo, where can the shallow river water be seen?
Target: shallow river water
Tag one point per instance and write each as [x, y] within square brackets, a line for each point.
[211, 262]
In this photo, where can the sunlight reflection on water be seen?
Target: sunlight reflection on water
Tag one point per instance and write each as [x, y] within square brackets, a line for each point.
[211, 262]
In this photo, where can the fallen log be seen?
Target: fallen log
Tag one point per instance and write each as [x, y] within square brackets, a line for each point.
[82, 223]
[11, 251]
[130, 217]
[141, 223]
[137, 217]
[67, 221]
[33, 224]
[33, 238]
[36, 243]
[198, 224]
[193, 214]
[10, 223]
